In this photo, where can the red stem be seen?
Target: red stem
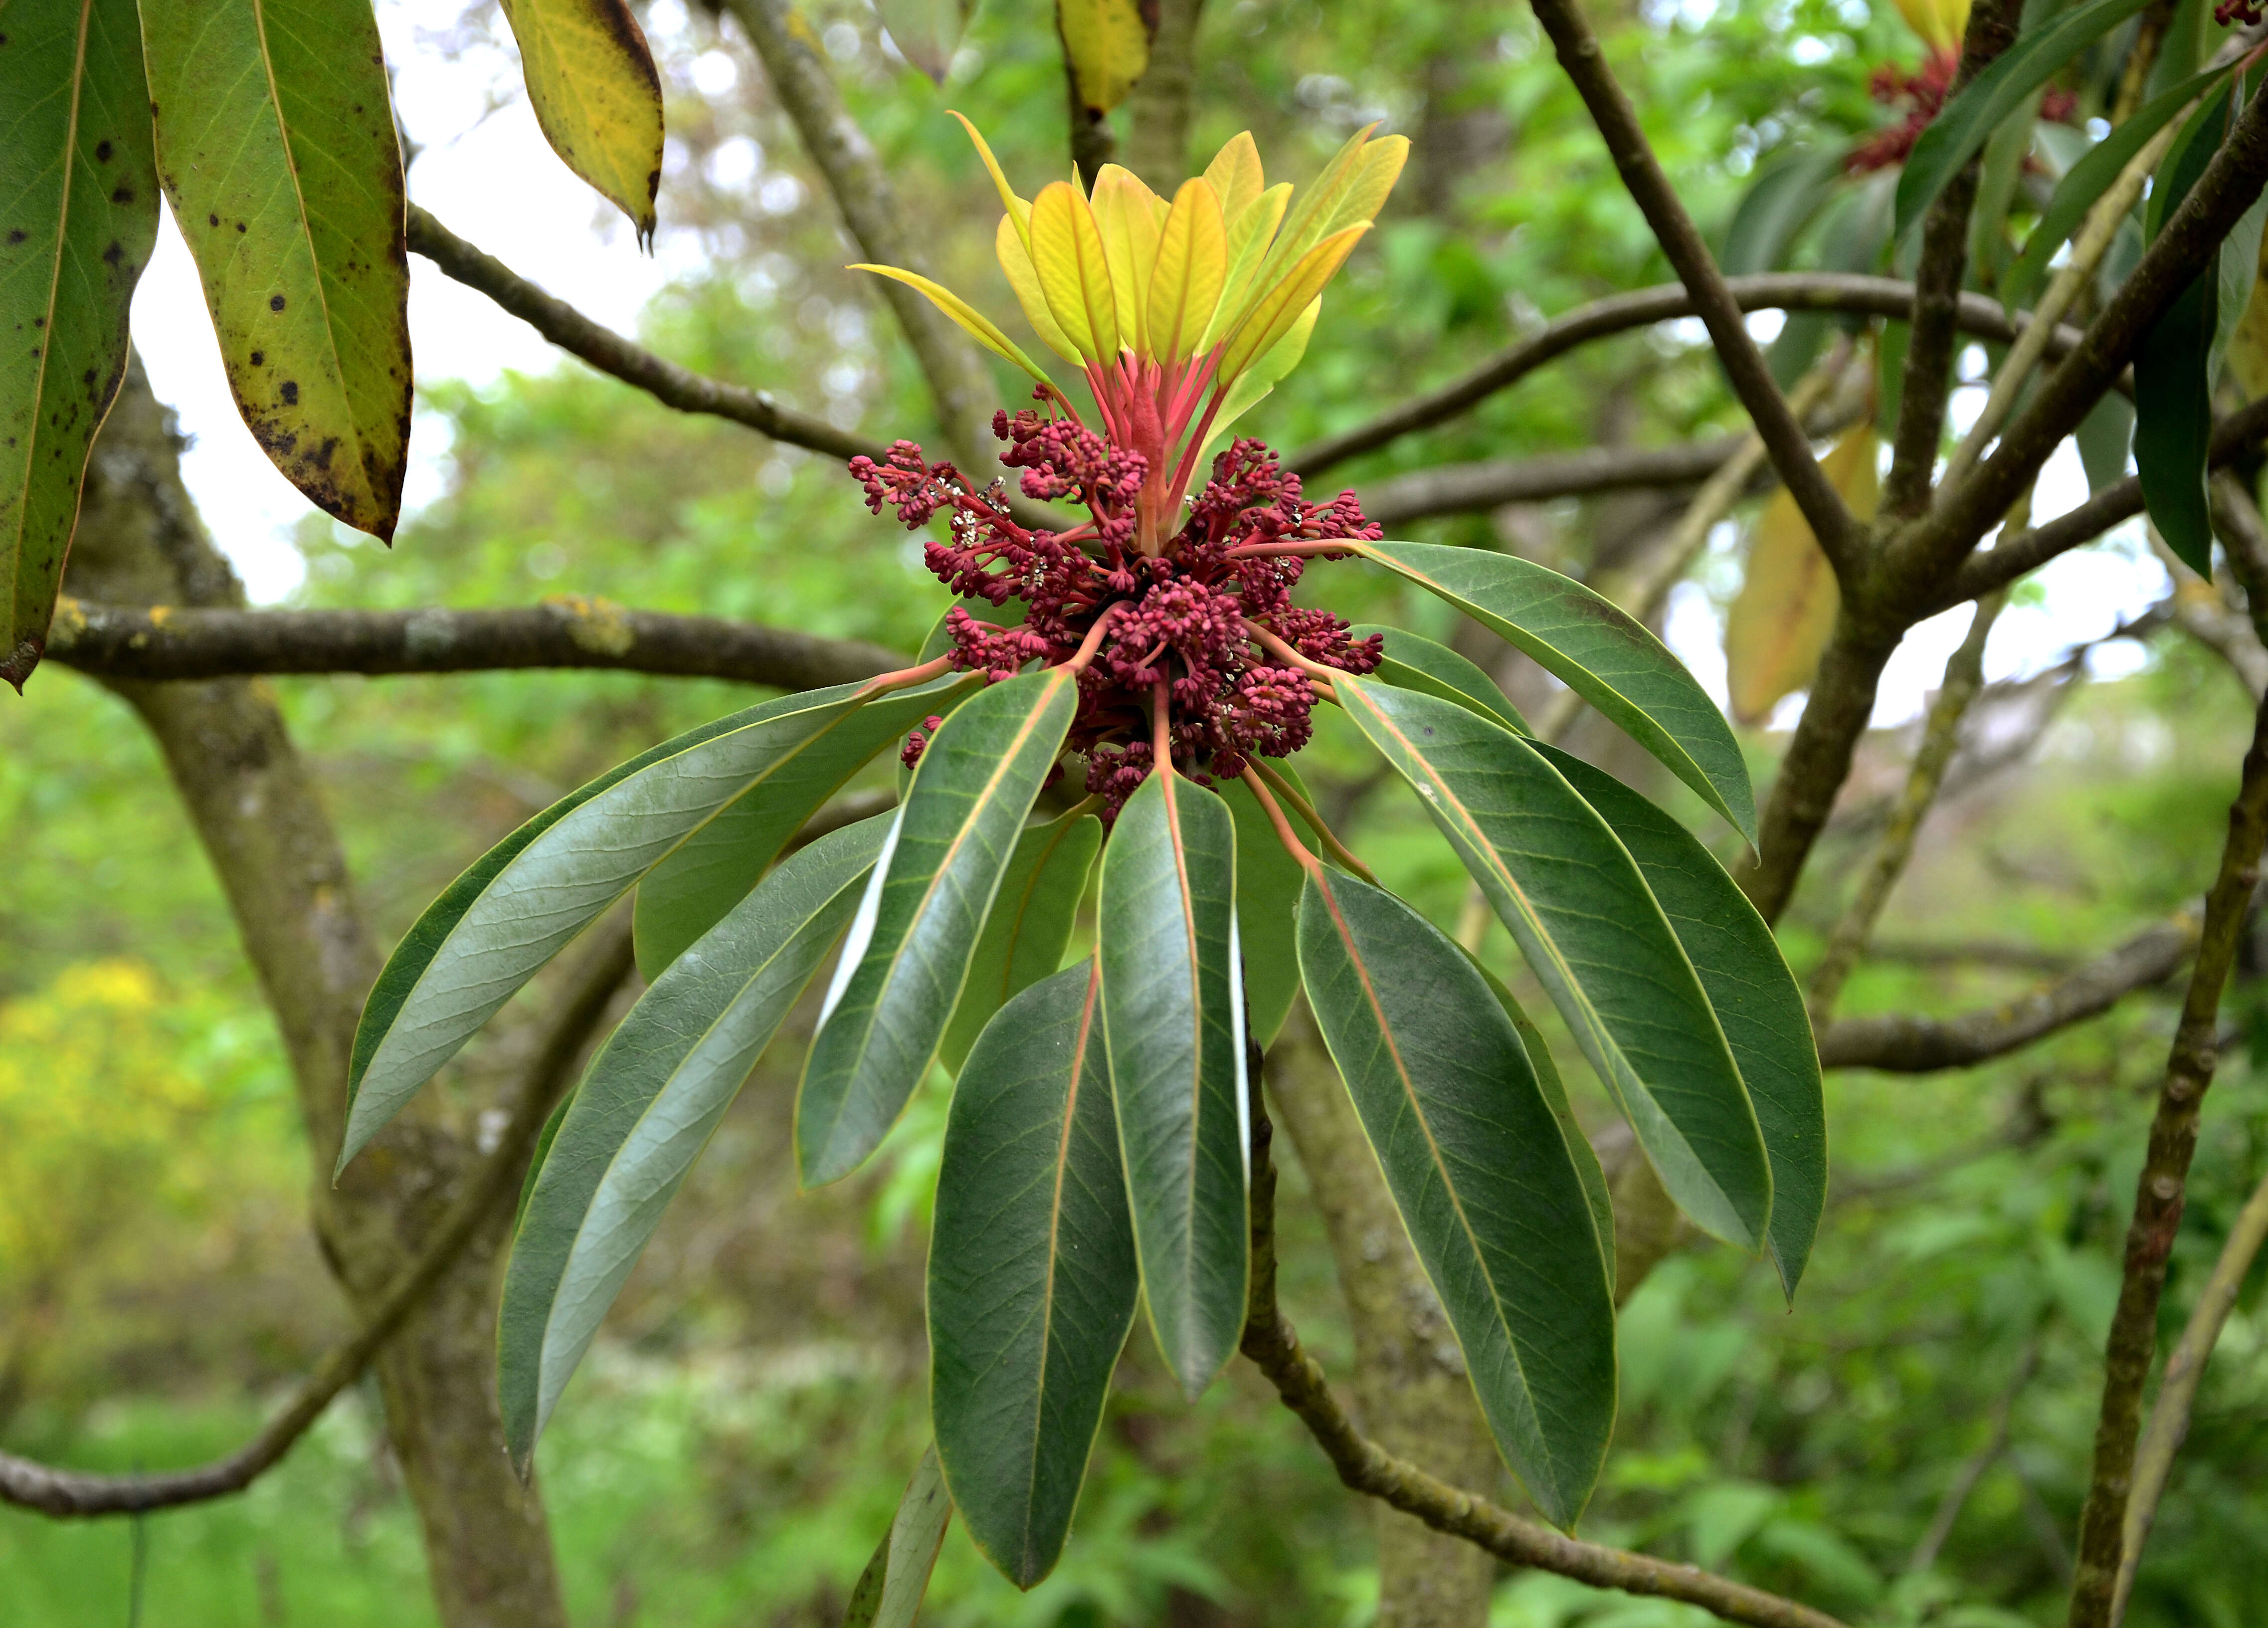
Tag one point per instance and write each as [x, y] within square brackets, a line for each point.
[1162, 737]
[1284, 551]
[1292, 846]
[882, 684]
[1093, 642]
[1275, 646]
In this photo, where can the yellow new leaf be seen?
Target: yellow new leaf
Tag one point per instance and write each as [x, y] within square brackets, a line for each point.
[1785, 610]
[1236, 175]
[1250, 235]
[1019, 210]
[1366, 187]
[1107, 47]
[1278, 308]
[1074, 271]
[1024, 278]
[1263, 375]
[978, 325]
[1309, 223]
[597, 98]
[1192, 264]
[1124, 215]
[1939, 23]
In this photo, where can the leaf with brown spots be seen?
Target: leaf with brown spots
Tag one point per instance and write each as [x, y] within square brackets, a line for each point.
[272, 120]
[596, 95]
[78, 214]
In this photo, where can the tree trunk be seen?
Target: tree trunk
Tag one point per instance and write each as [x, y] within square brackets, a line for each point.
[1158, 109]
[1410, 1377]
[261, 817]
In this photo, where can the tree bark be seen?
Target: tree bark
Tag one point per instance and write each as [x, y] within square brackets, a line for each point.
[261, 817]
[1158, 109]
[1410, 1377]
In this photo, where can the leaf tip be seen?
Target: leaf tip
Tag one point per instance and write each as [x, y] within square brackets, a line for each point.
[17, 667]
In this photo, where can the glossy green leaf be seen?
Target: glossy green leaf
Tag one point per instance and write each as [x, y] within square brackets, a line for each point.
[2173, 381]
[888, 1593]
[79, 193]
[645, 1108]
[1755, 995]
[276, 147]
[1601, 653]
[1780, 203]
[522, 901]
[1029, 926]
[910, 946]
[1032, 1276]
[2005, 86]
[597, 98]
[1479, 1166]
[1268, 881]
[1554, 1093]
[2089, 179]
[1174, 1019]
[1415, 663]
[1580, 909]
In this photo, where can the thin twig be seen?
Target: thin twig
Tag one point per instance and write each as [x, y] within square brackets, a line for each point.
[1273, 1345]
[1840, 537]
[2169, 1415]
[67, 1493]
[2159, 1194]
[1305, 810]
[1948, 1509]
[610, 353]
[1964, 676]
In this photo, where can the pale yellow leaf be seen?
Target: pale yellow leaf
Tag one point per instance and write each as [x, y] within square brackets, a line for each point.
[1108, 47]
[1123, 215]
[1192, 263]
[1263, 376]
[1236, 175]
[597, 98]
[1278, 307]
[1019, 210]
[979, 327]
[1074, 271]
[1024, 278]
[1785, 613]
[1250, 235]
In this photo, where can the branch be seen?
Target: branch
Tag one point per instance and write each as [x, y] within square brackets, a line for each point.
[1979, 315]
[1911, 1045]
[128, 642]
[1462, 488]
[71, 1494]
[2169, 1415]
[1840, 537]
[2158, 1191]
[610, 353]
[958, 380]
[1365, 1467]
[1158, 109]
[2121, 500]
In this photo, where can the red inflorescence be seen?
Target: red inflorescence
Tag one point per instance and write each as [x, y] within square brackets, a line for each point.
[1179, 617]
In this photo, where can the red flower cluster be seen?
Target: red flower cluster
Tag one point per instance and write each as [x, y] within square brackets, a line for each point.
[1923, 94]
[1184, 618]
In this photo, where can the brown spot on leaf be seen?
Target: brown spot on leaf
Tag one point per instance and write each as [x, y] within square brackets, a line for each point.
[275, 302]
[121, 195]
[115, 254]
[290, 393]
[213, 220]
[17, 234]
[102, 152]
[260, 358]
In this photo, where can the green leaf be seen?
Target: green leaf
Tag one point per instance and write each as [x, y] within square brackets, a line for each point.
[1780, 203]
[888, 1593]
[1032, 1276]
[910, 946]
[2104, 436]
[2088, 179]
[2173, 382]
[276, 147]
[521, 902]
[1268, 881]
[1479, 1166]
[1415, 663]
[1598, 651]
[78, 190]
[926, 32]
[1174, 1020]
[1582, 915]
[597, 98]
[1029, 926]
[2003, 88]
[1755, 995]
[544, 1138]
[645, 1110]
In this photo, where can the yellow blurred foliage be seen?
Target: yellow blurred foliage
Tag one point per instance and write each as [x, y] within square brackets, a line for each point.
[1785, 613]
[1939, 23]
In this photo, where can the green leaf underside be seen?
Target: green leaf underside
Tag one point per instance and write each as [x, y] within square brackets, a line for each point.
[1580, 911]
[908, 950]
[78, 192]
[276, 143]
[523, 901]
[1953, 137]
[535, 1160]
[1598, 651]
[2172, 387]
[646, 1107]
[1479, 1166]
[1029, 926]
[1415, 663]
[1754, 996]
[1268, 881]
[1554, 1093]
[888, 1593]
[1032, 1274]
[1173, 1021]
[591, 80]
[712, 869]
[2090, 178]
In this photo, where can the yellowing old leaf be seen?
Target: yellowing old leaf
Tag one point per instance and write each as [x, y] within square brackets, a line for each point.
[1785, 610]
[1107, 45]
[592, 82]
